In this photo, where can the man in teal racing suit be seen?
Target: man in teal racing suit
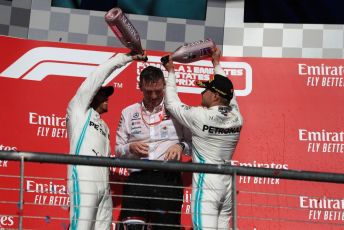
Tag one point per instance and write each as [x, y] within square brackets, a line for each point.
[90, 200]
[215, 131]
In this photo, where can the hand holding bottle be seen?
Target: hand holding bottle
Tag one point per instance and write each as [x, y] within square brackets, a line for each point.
[138, 57]
[215, 56]
[169, 64]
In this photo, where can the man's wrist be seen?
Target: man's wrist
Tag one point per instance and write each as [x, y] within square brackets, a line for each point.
[182, 145]
[215, 62]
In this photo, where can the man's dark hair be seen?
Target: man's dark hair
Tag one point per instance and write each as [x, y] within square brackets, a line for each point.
[99, 98]
[151, 74]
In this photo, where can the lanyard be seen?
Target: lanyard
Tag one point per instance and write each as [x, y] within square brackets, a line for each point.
[161, 117]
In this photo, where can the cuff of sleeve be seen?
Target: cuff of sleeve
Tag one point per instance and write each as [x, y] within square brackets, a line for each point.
[126, 149]
[171, 81]
[219, 70]
[124, 57]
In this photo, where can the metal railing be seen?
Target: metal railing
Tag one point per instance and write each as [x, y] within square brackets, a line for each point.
[165, 166]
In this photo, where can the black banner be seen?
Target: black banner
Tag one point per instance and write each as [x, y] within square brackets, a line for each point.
[295, 11]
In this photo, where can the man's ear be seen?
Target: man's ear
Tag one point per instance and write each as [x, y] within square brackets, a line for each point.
[217, 96]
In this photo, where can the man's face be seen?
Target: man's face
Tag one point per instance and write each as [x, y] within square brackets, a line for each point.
[207, 98]
[153, 93]
[104, 105]
[102, 100]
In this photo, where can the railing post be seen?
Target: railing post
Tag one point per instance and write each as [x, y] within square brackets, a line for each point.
[234, 201]
[21, 193]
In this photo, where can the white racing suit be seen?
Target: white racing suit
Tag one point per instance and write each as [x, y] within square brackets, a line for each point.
[91, 203]
[215, 133]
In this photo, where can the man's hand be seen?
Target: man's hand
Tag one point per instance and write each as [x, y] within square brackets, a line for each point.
[139, 148]
[169, 65]
[173, 153]
[139, 57]
[215, 57]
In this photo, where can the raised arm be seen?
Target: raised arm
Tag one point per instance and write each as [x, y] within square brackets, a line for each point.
[185, 114]
[88, 89]
[216, 56]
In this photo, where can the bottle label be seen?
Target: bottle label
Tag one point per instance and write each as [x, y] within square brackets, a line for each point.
[130, 27]
[205, 51]
[117, 31]
[197, 42]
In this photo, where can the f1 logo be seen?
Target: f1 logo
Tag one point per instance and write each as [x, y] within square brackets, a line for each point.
[40, 62]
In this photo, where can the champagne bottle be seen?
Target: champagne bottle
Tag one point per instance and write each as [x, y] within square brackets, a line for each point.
[191, 52]
[124, 30]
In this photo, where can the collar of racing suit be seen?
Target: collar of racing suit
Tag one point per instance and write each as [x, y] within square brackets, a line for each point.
[96, 114]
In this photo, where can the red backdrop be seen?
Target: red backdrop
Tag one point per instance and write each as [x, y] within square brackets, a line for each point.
[293, 119]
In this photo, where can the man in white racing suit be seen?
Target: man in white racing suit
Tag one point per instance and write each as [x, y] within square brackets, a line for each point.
[90, 200]
[215, 131]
